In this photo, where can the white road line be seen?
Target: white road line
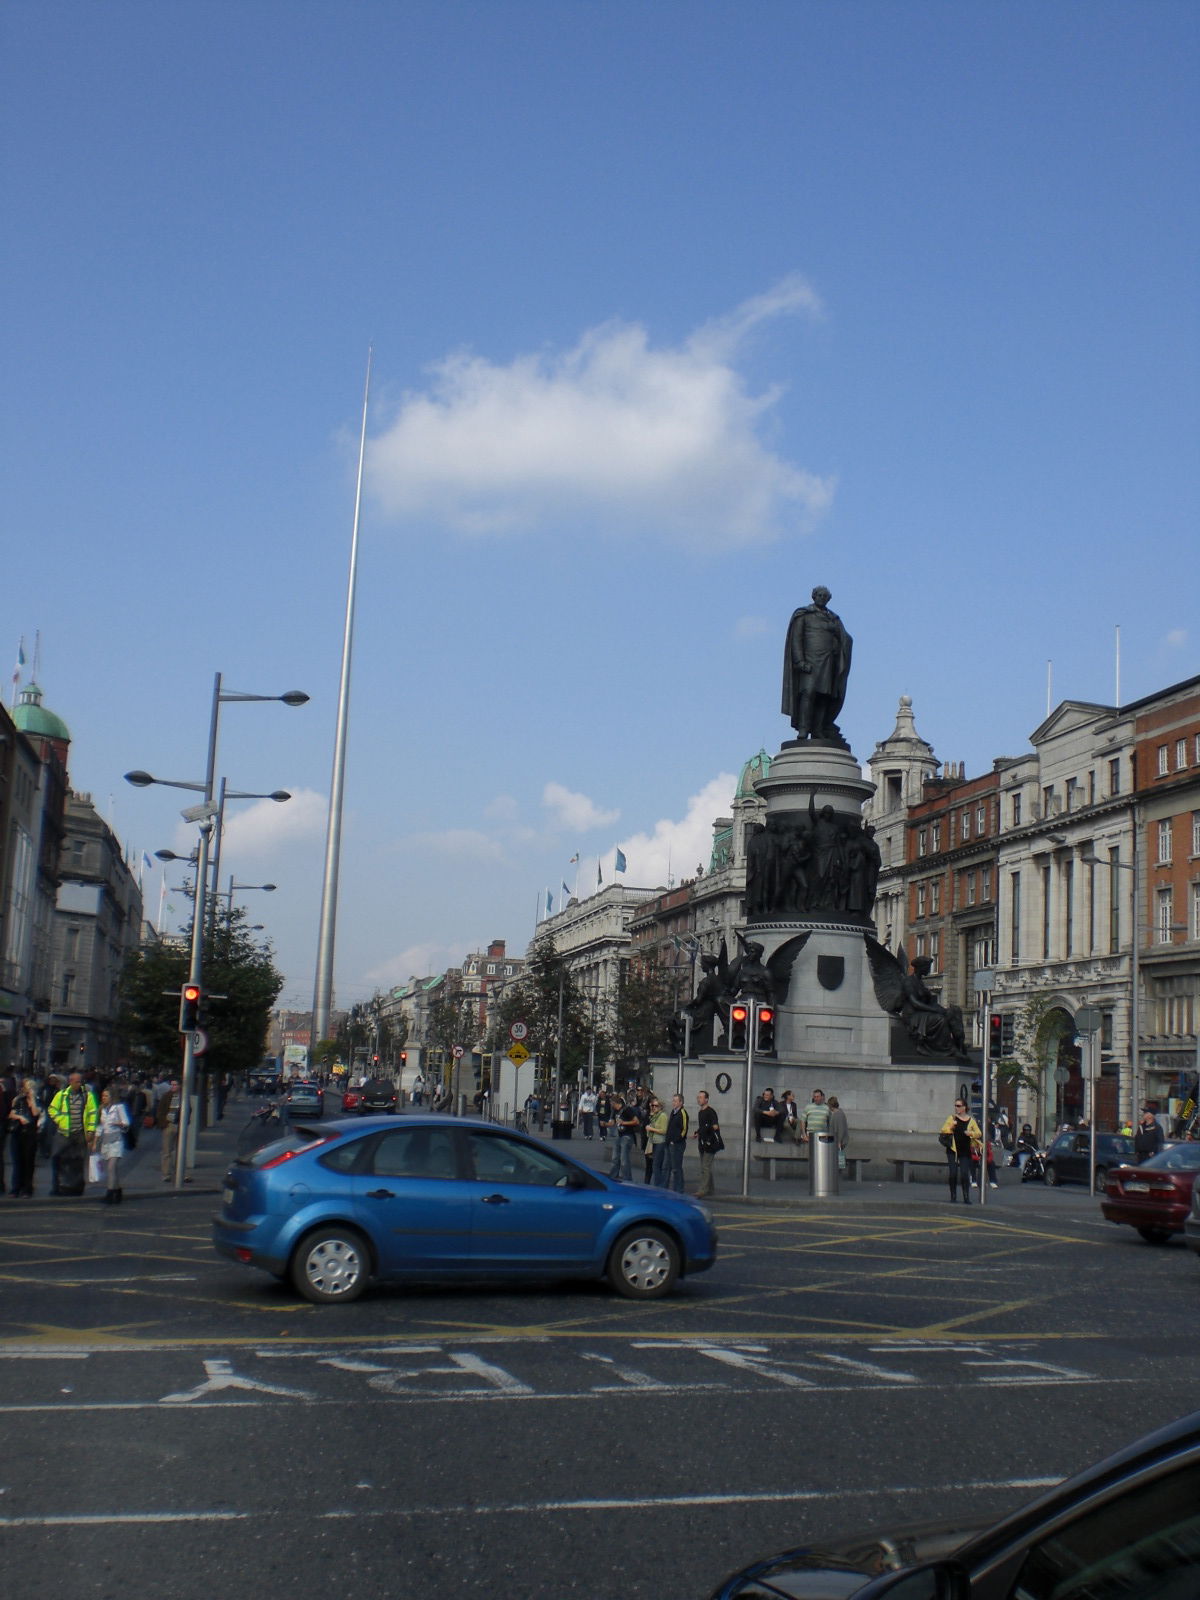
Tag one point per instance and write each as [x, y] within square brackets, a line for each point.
[102, 1519]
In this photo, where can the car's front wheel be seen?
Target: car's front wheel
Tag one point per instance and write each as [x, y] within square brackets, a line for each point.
[331, 1266]
[644, 1264]
[1052, 1177]
[1101, 1177]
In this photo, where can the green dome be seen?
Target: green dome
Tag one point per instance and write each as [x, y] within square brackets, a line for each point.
[757, 767]
[31, 716]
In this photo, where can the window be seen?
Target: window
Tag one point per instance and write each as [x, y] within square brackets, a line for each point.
[980, 821]
[415, 1153]
[1196, 749]
[1114, 902]
[1180, 754]
[68, 989]
[1091, 800]
[499, 1159]
[491, 969]
[1047, 800]
[920, 899]
[1068, 886]
[1162, 916]
[936, 836]
[965, 826]
[1014, 879]
[1016, 811]
[922, 841]
[922, 945]
[1046, 910]
[1163, 752]
[935, 897]
[971, 886]
[1196, 833]
[1114, 775]
[1164, 839]
[1196, 911]
[986, 884]
[935, 951]
[1072, 794]
[1142, 1542]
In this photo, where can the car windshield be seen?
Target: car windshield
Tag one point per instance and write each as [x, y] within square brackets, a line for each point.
[1175, 1158]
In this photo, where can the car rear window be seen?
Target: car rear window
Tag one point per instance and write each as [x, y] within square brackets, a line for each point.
[293, 1139]
[1176, 1158]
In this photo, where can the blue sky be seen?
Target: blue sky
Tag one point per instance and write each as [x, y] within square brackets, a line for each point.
[677, 310]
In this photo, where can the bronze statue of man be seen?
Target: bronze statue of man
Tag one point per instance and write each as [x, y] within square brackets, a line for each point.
[816, 665]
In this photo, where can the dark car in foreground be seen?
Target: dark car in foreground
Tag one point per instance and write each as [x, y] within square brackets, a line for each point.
[376, 1095]
[1066, 1160]
[430, 1197]
[305, 1098]
[1126, 1529]
[1156, 1196]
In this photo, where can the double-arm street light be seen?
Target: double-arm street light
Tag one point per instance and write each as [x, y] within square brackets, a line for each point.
[207, 815]
[267, 888]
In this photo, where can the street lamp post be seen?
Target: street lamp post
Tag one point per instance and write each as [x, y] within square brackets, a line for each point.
[208, 814]
[268, 888]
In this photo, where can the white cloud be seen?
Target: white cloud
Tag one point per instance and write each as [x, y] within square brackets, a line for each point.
[458, 844]
[502, 809]
[680, 846]
[266, 826]
[1176, 639]
[575, 812]
[751, 627]
[416, 961]
[614, 432]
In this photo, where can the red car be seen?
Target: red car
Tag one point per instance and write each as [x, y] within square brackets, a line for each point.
[1155, 1197]
[350, 1099]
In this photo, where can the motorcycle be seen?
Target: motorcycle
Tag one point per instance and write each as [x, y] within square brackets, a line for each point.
[1033, 1169]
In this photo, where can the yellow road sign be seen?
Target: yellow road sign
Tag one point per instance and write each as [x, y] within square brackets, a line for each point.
[518, 1053]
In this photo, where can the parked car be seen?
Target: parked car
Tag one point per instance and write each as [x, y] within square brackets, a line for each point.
[431, 1197]
[1125, 1529]
[1066, 1159]
[305, 1098]
[1156, 1196]
[376, 1095]
[350, 1099]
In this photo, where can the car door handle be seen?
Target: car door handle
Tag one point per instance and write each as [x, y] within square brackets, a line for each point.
[380, 1194]
[495, 1200]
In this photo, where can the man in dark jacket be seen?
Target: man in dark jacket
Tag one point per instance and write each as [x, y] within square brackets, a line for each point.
[1148, 1140]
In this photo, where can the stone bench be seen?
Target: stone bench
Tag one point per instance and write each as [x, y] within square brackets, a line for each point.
[772, 1154]
[906, 1166]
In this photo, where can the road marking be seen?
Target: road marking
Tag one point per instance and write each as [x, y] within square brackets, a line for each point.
[135, 1518]
[220, 1375]
[630, 1377]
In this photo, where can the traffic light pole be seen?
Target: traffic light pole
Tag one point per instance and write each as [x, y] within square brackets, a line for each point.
[748, 1130]
[195, 967]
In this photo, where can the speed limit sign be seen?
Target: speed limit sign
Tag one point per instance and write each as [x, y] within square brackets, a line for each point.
[518, 1031]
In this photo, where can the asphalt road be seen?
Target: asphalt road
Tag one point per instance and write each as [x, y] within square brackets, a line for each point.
[174, 1426]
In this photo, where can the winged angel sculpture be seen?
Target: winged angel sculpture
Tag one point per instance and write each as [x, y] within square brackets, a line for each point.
[748, 977]
[935, 1029]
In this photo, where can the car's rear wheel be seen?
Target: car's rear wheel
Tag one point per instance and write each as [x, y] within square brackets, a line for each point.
[1155, 1235]
[1101, 1175]
[1052, 1177]
[331, 1266]
[644, 1263]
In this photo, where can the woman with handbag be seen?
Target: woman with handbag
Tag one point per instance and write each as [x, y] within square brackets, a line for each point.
[109, 1146]
[961, 1138]
[22, 1128]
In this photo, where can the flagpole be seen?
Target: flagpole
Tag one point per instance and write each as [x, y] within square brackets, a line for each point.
[162, 896]
[323, 991]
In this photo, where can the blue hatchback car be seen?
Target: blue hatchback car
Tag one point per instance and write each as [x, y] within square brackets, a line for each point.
[432, 1197]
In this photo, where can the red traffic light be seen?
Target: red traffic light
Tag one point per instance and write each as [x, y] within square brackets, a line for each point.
[739, 1013]
[191, 993]
[765, 1014]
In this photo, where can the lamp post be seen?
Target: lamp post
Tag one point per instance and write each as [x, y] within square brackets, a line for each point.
[207, 815]
[1091, 859]
[267, 888]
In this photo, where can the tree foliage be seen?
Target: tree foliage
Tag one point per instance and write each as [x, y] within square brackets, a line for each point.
[534, 1000]
[235, 966]
[645, 1004]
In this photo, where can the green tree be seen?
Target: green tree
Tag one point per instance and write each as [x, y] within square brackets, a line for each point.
[645, 1004]
[534, 1000]
[1036, 1032]
[235, 967]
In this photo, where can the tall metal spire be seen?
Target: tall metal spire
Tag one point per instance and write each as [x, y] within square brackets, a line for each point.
[323, 988]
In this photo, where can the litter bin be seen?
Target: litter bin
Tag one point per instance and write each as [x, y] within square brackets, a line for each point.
[822, 1164]
[560, 1128]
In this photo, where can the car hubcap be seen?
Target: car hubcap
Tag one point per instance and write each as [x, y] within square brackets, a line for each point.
[646, 1263]
[333, 1267]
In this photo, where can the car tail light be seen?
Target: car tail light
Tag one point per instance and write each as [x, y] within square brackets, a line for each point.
[244, 1256]
[301, 1150]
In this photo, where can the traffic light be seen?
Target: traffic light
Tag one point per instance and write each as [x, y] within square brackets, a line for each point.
[739, 1018]
[764, 1032]
[189, 1007]
[374, 1061]
[995, 1036]
[404, 1058]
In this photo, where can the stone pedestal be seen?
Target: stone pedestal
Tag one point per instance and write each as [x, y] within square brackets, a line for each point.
[831, 1014]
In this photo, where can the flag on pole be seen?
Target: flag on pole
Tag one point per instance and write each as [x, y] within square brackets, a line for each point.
[147, 863]
[16, 677]
[573, 859]
[549, 903]
[599, 874]
[566, 892]
[620, 861]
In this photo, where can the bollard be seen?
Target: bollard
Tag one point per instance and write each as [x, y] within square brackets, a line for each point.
[822, 1164]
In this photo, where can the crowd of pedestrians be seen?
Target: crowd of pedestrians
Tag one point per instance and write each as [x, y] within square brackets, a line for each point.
[64, 1132]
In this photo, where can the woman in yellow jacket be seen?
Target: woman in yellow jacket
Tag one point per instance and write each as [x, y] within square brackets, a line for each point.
[656, 1151]
[962, 1138]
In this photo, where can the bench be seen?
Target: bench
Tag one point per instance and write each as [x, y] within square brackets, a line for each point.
[772, 1154]
[906, 1165]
